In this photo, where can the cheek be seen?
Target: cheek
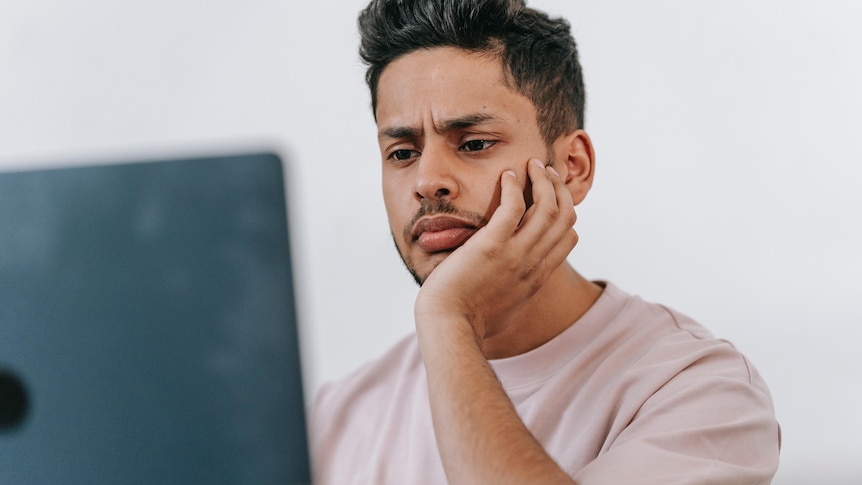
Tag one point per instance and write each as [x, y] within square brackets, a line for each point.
[394, 213]
[491, 196]
[393, 188]
[397, 201]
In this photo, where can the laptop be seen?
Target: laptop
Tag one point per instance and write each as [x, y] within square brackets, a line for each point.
[148, 330]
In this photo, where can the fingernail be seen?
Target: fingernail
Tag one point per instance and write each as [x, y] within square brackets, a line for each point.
[510, 172]
[538, 163]
[551, 169]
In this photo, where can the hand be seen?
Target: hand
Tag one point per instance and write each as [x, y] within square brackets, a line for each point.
[495, 272]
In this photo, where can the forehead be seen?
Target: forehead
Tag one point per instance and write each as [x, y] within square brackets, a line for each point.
[447, 83]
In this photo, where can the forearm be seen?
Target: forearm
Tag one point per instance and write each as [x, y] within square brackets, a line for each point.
[480, 436]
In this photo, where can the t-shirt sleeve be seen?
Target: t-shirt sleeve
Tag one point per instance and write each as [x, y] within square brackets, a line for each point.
[710, 422]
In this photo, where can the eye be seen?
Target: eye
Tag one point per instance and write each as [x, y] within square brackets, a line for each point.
[403, 155]
[477, 145]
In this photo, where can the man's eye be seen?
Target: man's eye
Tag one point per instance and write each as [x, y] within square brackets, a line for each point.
[477, 145]
[402, 155]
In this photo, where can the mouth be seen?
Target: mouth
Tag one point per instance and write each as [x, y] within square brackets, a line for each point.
[437, 234]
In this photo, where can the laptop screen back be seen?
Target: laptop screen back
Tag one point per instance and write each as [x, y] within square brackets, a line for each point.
[147, 325]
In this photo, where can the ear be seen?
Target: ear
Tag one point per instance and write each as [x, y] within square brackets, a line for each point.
[575, 161]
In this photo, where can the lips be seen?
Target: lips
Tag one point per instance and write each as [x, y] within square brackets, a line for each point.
[442, 233]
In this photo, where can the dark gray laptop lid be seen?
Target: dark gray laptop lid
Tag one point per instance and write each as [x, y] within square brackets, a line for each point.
[147, 325]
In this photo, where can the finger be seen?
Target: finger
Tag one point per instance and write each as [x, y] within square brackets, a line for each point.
[545, 211]
[560, 251]
[551, 225]
[505, 220]
[564, 197]
[542, 185]
[566, 216]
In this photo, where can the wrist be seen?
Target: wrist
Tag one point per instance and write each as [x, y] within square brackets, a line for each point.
[450, 330]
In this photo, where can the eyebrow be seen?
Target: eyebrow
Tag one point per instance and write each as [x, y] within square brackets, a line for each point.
[460, 123]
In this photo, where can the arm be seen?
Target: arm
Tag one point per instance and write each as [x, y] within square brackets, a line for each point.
[480, 437]
[472, 295]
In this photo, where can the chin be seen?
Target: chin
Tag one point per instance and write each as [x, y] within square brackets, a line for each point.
[427, 263]
[434, 260]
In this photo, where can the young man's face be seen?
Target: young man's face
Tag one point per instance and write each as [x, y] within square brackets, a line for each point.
[448, 127]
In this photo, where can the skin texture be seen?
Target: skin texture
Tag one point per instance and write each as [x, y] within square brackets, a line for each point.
[481, 221]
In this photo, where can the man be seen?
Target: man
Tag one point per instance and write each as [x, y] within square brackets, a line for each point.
[521, 371]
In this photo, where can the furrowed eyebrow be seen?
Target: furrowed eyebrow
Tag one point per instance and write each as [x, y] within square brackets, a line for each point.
[398, 132]
[463, 122]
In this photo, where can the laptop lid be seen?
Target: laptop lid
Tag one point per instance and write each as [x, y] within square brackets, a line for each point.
[147, 325]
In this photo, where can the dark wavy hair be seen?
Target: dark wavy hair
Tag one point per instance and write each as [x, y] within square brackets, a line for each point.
[539, 54]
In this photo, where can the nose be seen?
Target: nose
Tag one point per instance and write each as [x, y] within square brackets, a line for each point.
[436, 175]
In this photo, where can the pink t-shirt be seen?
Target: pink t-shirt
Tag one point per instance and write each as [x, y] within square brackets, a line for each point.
[632, 393]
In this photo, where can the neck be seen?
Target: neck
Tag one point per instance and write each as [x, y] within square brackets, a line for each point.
[561, 301]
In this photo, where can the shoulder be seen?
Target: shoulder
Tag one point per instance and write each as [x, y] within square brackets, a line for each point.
[349, 417]
[655, 347]
[374, 382]
[675, 345]
[686, 401]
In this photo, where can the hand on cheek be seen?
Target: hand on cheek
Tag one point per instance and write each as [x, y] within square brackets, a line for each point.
[486, 280]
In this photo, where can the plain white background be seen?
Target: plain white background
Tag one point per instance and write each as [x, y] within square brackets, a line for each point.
[727, 185]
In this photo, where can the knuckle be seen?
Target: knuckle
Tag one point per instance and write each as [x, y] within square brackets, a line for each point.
[534, 288]
[572, 237]
[532, 277]
[526, 273]
[551, 214]
[490, 251]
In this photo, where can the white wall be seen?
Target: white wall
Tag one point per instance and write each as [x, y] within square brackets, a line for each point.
[727, 186]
